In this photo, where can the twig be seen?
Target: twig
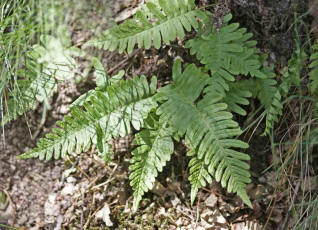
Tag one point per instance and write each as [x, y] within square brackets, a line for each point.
[106, 182]
[90, 212]
[84, 173]
[82, 213]
[33, 137]
[123, 61]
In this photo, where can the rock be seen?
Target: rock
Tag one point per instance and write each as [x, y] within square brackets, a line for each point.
[211, 201]
[104, 214]
[249, 225]
[51, 208]
[64, 109]
[68, 189]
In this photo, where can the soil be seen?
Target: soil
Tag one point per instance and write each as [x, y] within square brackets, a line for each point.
[77, 192]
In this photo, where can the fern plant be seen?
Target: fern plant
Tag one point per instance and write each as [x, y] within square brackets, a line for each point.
[197, 105]
[228, 53]
[191, 106]
[109, 113]
[157, 22]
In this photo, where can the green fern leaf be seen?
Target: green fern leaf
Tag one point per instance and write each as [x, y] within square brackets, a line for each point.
[44, 65]
[208, 127]
[267, 91]
[314, 70]
[236, 98]
[271, 95]
[273, 112]
[111, 111]
[226, 53]
[56, 59]
[162, 21]
[154, 149]
[292, 73]
[38, 87]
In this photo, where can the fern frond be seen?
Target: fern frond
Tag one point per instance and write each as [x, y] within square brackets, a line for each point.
[155, 23]
[273, 112]
[226, 53]
[56, 59]
[292, 74]
[314, 69]
[108, 114]
[154, 149]
[271, 95]
[236, 97]
[208, 127]
[37, 88]
[44, 65]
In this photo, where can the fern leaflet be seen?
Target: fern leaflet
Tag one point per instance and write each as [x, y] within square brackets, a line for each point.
[102, 82]
[235, 98]
[271, 95]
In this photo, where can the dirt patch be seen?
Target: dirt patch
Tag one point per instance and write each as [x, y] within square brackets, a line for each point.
[273, 24]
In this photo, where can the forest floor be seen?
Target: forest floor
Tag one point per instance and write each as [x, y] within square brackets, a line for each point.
[84, 193]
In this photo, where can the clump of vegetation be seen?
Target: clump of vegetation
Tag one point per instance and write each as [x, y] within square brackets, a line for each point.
[202, 104]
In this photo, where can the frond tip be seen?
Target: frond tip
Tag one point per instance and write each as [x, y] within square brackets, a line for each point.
[157, 22]
[154, 149]
[226, 53]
